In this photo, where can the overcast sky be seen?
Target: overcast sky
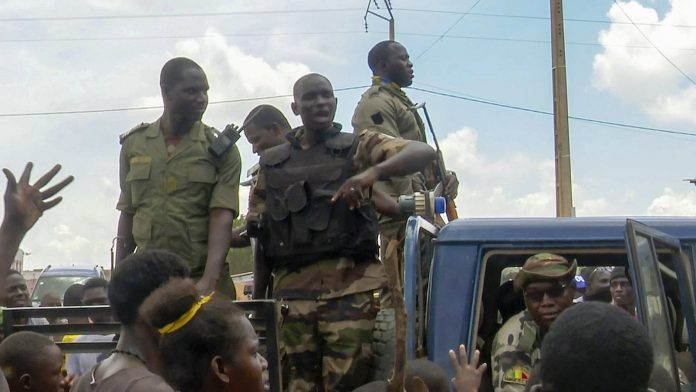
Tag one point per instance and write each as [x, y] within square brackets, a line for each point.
[91, 55]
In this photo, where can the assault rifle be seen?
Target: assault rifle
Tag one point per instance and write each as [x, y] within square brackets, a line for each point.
[440, 171]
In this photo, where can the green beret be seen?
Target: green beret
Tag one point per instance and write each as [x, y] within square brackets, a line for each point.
[544, 267]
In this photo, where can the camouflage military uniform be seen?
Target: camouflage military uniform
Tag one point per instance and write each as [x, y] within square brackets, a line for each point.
[384, 107]
[516, 349]
[170, 194]
[326, 334]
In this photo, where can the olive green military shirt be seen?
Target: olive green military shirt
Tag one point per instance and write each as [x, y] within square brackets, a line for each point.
[516, 349]
[384, 107]
[171, 194]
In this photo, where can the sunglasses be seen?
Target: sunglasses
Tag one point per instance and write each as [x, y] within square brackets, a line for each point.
[553, 292]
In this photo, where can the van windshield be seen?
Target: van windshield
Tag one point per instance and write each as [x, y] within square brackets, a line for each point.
[55, 285]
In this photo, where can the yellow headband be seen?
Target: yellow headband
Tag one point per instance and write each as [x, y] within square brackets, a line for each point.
[186, 317]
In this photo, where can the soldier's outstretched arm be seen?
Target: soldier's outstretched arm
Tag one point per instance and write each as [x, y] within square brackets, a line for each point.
[24, 205]
[384, 161]
[384, 204]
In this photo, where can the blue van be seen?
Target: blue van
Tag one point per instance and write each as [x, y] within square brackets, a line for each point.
[470, 258]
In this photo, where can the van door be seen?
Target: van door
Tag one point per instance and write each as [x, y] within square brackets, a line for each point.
[643, 245]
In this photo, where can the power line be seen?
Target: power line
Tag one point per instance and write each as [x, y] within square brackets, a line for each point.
[545, 18]
[536, 111]
[127, 109]
[320, 10]
[447, 31]
[455, 95]
[653, 45]
[197, 36]
[174, 15]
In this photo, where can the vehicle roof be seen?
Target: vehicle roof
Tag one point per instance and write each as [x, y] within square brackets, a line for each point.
[71, 272]
[558, 229]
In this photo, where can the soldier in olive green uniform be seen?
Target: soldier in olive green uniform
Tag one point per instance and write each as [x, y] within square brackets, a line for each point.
[319, 234]
[176, 195]
[386, 108]
[547, 283]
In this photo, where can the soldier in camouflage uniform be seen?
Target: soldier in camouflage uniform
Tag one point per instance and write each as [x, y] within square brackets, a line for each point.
[264, 127]
[175, 194]
[319, 234]
[386, 108]
[547, 282]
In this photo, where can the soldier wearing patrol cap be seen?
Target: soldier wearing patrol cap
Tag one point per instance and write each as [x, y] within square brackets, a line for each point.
[177, 193]
[546, 282]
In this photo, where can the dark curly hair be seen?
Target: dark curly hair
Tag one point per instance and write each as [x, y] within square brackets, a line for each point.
[137, 276]
[594, 346]
[215, 330]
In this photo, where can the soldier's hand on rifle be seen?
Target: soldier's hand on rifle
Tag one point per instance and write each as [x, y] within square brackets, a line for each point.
[25, 203]
[467, 376]
[352, 189]
[452, 186]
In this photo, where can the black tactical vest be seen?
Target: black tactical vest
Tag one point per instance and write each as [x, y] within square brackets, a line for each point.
[300, 224]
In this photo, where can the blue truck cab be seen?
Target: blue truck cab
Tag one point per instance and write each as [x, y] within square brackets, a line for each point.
[472, 257]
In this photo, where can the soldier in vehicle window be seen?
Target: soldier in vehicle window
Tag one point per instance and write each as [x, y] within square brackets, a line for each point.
[622, 291]
[547, 283]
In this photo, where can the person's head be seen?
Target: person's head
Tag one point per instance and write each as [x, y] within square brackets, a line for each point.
[95, 293]
[137, 276]
[547, 283]
[16, 292]
[73, 295]
[265, 127]
[50, 300]
[31, 362]
[314, 102]
[206, 343]
[595, 347]
[184, 88]
[432, 375]
[621, 289]
[390, 60]
[598, 285]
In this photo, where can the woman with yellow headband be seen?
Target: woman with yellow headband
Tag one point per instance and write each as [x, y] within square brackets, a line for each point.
[206, 343]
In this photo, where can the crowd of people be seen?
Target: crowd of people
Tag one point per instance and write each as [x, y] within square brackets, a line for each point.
[319, 199]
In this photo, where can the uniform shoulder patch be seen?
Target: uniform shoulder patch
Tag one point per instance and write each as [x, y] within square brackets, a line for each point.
[517, 374]
[122, 137]
[377, 118]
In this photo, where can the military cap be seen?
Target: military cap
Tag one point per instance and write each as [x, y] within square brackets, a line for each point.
[543, 267]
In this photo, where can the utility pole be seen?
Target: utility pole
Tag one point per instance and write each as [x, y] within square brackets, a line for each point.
[387, 4]
[564, 191]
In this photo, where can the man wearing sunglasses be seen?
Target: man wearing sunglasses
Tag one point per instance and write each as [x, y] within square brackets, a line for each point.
[546, 282]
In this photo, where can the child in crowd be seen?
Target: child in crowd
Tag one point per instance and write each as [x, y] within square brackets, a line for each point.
[207, 344]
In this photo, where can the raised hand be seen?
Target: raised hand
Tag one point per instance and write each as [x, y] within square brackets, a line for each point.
[467, 376]
[25, 203]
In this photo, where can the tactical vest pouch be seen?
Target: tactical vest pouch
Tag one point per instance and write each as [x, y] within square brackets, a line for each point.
[302, 225]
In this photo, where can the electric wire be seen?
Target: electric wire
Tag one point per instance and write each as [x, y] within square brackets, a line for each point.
[654, 46]
[447, 31]
[536, 111]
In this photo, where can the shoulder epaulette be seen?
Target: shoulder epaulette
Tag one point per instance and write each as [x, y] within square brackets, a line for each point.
[122, 137]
